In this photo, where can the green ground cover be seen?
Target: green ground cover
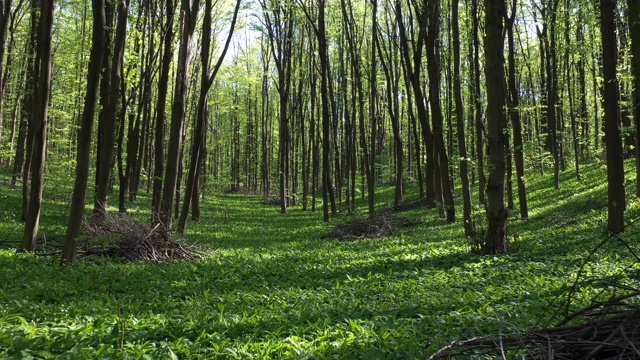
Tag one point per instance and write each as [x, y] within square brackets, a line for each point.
[272, 289]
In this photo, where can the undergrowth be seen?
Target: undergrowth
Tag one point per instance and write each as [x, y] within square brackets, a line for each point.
[270, 288]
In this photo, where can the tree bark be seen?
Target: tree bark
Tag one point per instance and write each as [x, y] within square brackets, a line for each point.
[634, 28]
[433, 66]
[160, 116]
[201, 119]
[110, 115]
[613, 140]
[460, 125]
[41, 110]
[496, 241]
[83, 155]
[189, 12]
[514, 112]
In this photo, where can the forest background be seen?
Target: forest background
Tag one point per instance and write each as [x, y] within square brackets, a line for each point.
[460, 104]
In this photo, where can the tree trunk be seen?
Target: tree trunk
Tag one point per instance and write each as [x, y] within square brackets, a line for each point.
[460, 125]
[514, 112]
[634, 27]
[613, 139]
[41, 109]
[496, 241]
[160, 118]
[188, 22]
[480, 147]
[201, 118]
[109, 116]
[83, 155]
[371, 181]
[413, 66]
[433, 65]
[27, 108]
[5, 15]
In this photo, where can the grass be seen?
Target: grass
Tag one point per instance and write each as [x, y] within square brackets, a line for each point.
[272, 289]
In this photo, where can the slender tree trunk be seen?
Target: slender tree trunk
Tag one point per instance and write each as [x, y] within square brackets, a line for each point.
[387, 61]
[41, 110]
[83, 155]
[460, 124]
[634, 27]
[413, 65]
[497, 241]
[189, 12]
[201, 119]
[160, 118]
[480, 147]
[371, 181]
[433, 65]
[514, 112]
[110, 114]
[5, 15]
[28, 110]
[613, 140]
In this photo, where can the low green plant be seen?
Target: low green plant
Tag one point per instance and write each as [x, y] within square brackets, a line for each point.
[271, 288]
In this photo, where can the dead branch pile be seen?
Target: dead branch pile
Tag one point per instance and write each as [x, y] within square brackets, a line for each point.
[411, 204]
[124, 237]
[272, 201]
[608, 328]
[380, 225]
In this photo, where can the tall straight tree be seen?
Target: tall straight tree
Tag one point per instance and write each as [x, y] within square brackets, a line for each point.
[5, 15]
[42, 86]
[319, 28]
[160, 116]
[83, 155]
[24, 152]
[373, 112]
[206, 81]
[109, 115]
[460, 123]
[389, 62]
[354, 42]
[413, 65]
[495, 13]
[189, 19]
[634, 29]
[613, 139]
[514, 112]
[433, 68]
[279, 24]
[477, 101]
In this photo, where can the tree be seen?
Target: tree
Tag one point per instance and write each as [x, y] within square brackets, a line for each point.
[84, 135]
[160, 116]
[42, 86]
[634, 29]
[514, 115]
[613, 139]
[460, 124]
[413, 67]
[189, 20]
[109, 115]
[205, 84]
[433, 66]
[495, 12]
[279, 23]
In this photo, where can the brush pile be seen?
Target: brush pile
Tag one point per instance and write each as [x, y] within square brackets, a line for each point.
[272, 201]
[607, 328]
[380, 225]
[124, 237]
[411, 204]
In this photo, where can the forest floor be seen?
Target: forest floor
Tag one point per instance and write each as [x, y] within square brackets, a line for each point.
[272, 287]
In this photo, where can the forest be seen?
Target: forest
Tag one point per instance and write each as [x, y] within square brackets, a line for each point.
[319, 179]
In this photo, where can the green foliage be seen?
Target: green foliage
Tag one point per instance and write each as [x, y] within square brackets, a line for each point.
[272, 289]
